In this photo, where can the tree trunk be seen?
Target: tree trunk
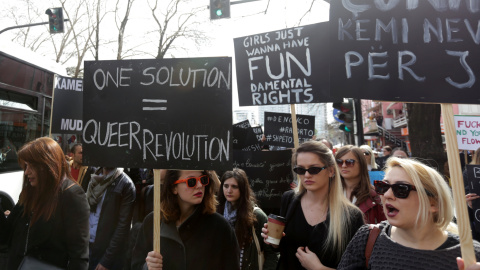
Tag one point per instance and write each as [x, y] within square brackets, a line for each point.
[425, 134]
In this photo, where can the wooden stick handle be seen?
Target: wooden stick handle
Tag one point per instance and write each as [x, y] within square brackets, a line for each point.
[294, 126]
[456, 178]
[156, 210]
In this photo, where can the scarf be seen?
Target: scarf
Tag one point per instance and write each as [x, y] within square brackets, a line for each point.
[230, 214]
[99, 183]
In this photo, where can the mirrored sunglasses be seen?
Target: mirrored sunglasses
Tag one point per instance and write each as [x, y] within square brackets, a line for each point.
[348, 162]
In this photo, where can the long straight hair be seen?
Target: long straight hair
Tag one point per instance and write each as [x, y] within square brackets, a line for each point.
[362, 190]
[245, 216]
[340, 208]
[46, 158]
[372, 156]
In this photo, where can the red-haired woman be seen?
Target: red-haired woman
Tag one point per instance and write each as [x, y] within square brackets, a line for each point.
[192, 234]
[237, 205]
[50, 221]
[356, 183]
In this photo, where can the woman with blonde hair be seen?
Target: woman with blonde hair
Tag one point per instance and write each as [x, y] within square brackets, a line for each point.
[320, 221]
[369, 158]
[193, 235]
[419, 208]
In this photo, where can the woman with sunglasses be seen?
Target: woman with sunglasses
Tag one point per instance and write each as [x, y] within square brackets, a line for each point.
[418, 233]
[237, 204]
[356, 183]
[193, 235]
[320, 221]
[369, 158]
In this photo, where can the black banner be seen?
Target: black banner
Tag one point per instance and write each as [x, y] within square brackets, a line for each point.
[279, 130]
[288, 66]
[67, 105]
[244, 137]
[165, 114]
[411, 51]
[269, 174]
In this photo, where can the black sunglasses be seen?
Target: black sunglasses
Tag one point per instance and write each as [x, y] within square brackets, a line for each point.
[400, 191]
[348, 162]
[311, 170]
[366, 153]
[192, 181]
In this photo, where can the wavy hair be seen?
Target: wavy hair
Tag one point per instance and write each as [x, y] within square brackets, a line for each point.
[245, 216]
[362, 190]
[430, 186]
[340, 208]
[170, 208]
[372, 156]
[46, 158]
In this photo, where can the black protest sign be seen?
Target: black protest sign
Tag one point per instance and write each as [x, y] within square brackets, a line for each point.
[165, 114]
[415, 51]
[244, 137]
[473, 172]
[279, 130]
[258, 132]
[269, 174]
[288, 66]
[67, 105]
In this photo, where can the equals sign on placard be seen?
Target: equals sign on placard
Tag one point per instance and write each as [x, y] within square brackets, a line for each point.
[155, 104]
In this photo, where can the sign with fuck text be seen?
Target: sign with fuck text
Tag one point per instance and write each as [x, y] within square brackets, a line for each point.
[467, 128]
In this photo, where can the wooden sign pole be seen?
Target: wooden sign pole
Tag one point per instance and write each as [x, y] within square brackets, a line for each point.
[466, 242]
[294, 126]
[156, 210]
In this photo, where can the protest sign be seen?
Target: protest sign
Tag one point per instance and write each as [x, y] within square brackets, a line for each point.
[279, 132]
[468, 131]
[410, 51]
[258, 132]
[288, 66]
[169, 113]
[269, 174]
[244, 137]
[67, 105]
[473, 173]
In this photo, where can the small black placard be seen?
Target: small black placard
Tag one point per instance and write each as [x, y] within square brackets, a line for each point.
[67, 105]
[165, 114]
[473, 172]
[279, 130]
[244, 137]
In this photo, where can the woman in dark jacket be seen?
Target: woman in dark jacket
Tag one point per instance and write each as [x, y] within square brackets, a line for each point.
[237, 205]
[356, 183]
[50, 221]
[192, 235]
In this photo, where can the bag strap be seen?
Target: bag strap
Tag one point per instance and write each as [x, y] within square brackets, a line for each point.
[374, 231]
[256, 241]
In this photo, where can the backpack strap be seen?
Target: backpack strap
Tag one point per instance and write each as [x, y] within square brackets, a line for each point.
[374, 231]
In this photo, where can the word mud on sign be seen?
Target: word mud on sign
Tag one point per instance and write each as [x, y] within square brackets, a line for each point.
[168, 146]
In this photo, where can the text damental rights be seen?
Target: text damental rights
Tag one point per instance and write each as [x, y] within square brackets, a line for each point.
[418, 51]
[158, 113]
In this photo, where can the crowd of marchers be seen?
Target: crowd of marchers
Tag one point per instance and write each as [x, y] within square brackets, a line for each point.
[71, 216]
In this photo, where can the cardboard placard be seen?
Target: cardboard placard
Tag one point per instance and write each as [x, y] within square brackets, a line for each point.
[288, 66]
[244, 137]
[169, 114]
[401, 50]
[269, 174]
[67, 105]
[468, 131]
[279, 131]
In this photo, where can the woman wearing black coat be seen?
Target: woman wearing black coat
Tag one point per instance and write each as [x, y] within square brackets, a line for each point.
[50, 221]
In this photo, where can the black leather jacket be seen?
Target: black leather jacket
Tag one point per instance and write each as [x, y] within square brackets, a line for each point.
[114, 223]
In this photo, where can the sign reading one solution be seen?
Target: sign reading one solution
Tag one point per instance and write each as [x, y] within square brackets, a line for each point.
[468, 131]
[416, 51]
[288, 66]
[170, 113]
[67, 105]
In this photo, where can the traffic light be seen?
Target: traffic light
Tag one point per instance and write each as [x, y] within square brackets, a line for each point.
[345, 115]
[219, 9]
[55, 20]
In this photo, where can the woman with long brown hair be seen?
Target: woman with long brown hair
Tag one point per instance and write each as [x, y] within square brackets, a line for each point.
[356, 183]
[193, 235]
[50, 221]
[237, 204]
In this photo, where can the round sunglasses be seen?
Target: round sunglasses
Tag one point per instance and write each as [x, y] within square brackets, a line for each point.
[347, 162]
[311, 170]
[192, 181]
[400, 191]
